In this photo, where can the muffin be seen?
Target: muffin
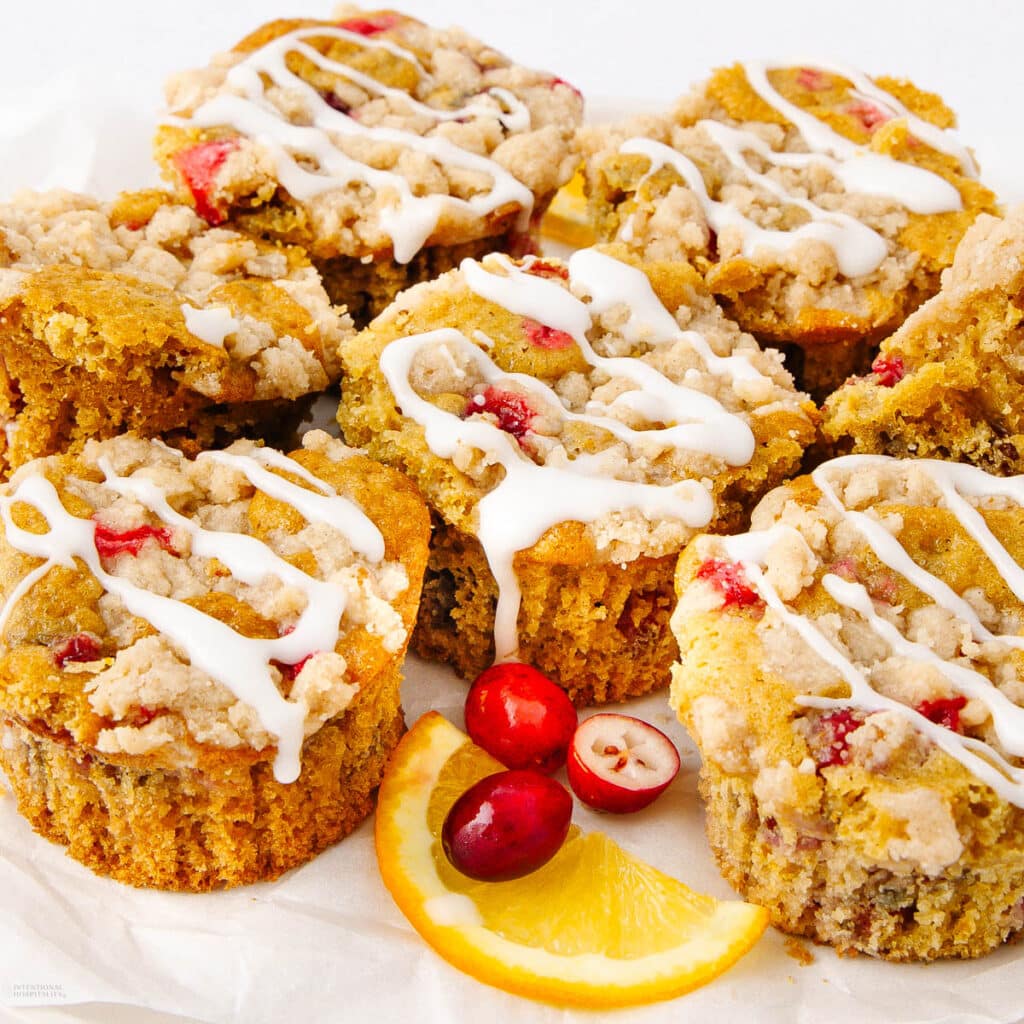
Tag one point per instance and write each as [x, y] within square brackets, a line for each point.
[820, 205]
[569, 433]
[947, 384]
[200, 660]
[135, 315]
[851, 671]
[387, 148]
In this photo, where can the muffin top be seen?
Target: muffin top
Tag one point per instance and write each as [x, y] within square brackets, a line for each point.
[99, 283]
[368, 134]
[563, 407]
[183, 611]
[884, 597]
[812, 196]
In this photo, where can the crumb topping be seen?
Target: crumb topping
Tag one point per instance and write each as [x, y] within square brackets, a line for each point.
[253, 541]
[757, 177]
[903, 647]
[171, 248]
[392, 138]
[639, 396]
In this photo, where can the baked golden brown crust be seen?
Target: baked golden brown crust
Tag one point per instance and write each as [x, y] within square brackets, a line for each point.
[121, 741]
[196, 831]
[827, 321]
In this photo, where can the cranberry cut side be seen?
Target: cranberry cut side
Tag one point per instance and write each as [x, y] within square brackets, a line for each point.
[542, 336]
[813, 80]
[945, 711]
[889, 370]
[291, 672]
[836, 726]
[512, 411]
[199, 166]
[111, 542]
[730, 581]
[545, 268]
[869, 115]
[81, 647]
[371, 26]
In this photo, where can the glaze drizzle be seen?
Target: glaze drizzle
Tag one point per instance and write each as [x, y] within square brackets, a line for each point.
[859, 249]
[242, 664]
[955, 482]
[409, 219]
[582, 489]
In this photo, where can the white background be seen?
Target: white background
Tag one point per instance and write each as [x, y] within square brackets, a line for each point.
[79, 82]
[84, 57]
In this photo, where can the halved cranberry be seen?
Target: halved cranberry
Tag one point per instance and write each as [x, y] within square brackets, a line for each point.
[730, 581]
[111, 542]
[512, 411]
[869, 115]
[836, 726]
[944, 711]
[331, 99]
[199, 166]
[620, 764]
[544, 268]
[546, 337]
[561, 81]
[372, 25]
[80, 647]
[142, 715]
[290, 672]
[846, 569]
[889, 370]
[814, 80]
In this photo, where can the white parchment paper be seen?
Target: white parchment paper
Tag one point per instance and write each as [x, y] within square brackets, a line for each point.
[326, 943]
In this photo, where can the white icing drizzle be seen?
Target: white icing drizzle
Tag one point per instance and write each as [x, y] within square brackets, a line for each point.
[210, 325]
[953, 481]
[820, 137]
[512, 516]
[859, 249]
[411, 219]
[240, 663]
[327, 507]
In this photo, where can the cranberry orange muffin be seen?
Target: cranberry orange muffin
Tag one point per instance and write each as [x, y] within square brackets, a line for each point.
[570, 433]
[387, 148]
[948, 382]
[821, 205]
[136, 315]
[200, 660]
[853, 672]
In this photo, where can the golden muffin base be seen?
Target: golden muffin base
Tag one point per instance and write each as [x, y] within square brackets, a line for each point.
[599, 630]
[191, 831]
[824, 891]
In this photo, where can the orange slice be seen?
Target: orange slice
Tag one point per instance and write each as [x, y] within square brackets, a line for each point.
[567, 220]
[593, 927]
